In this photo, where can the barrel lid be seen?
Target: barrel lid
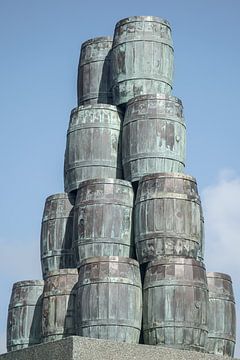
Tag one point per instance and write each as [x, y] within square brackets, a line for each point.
[177, 260]
[97, 40]
[217, 275]
[96, 106]
[110, 259]
[141, 19]
[24, 283]
[158, 96]
[104, 181]
[167, 175]
[58, 272]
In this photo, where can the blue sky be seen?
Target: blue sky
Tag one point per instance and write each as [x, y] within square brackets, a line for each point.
[40, 44]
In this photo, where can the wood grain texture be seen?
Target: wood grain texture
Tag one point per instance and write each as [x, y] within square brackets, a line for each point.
[154, 136]
[93, 84]
[222, 319]
[103, 219]
[167, 217]
[24, 315]
[93, 148]
[57, 234]
[58, 314]
[109, 299]
[142, 58]
[175, 304]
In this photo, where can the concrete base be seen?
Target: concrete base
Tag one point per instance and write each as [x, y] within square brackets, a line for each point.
[80, 348]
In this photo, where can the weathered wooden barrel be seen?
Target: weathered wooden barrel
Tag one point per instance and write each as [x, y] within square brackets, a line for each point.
[24, 315]
[93, 147]
[103, 219]
[58, 315]
[222, 319]
[57, 234]
[167, 217]
[175, 304]
[94, 72]
[154, 136]
[109, 299]
[142, 58]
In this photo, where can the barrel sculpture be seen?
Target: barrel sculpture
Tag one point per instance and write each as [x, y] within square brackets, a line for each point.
[222, 319]
[94, 72]
[109, 299]
[58, 314]
[154, 136]
[93, 147]
[175, 304]
[103, 219]
[24, 315]
[57, 234]
[142, 58]
[167, 217]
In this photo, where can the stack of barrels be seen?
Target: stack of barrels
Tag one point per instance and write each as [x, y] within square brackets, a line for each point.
[122, 249]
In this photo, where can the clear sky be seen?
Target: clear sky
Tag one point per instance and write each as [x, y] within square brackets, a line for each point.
[39, 46]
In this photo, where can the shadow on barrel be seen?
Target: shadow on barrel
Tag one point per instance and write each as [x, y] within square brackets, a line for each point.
[67, 259]
[70, 317]
[104, 93]
[35, 335]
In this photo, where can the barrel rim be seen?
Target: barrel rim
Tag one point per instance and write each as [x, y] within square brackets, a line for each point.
[109, 259]
[218, 275]
[97, 39]
[95, 106]
[59, 272]
[24, 283]
[106, 181]
[158, 96]
[177, 260]
[141, 18]
[167, 175]
[56, 196]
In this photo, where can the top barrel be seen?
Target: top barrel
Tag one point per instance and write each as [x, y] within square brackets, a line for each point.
[142, 58]
[93, 85]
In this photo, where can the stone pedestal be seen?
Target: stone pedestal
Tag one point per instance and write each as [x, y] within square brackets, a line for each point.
[79, 348]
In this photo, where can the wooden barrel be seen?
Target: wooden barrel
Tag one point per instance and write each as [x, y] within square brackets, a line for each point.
[57, 234]
[109, 299]
[94, 72]
[222, 319]
[142, 58]
[93, 147]
[175, 304]
[58, 316]
[24, 315]
[103, 219]
[167, 217]
[154, 136]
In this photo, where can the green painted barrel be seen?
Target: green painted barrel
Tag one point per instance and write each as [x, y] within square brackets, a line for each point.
[109, 299]
[58, 315]
[24, 315]
[94, 72]
[57, 234]
[222, 319]
[103, 219]
[142, 58]
[167, 217]
[175, 304]
[154, 136]
[93, 147]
